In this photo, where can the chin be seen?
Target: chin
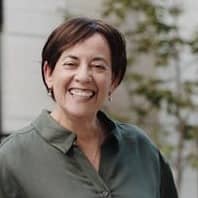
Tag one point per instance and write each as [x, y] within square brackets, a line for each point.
[80, 112]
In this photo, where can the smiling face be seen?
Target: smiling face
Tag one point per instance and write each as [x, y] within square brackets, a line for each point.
[82, 78]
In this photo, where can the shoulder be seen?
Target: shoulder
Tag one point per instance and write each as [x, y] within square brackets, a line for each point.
[12, 150]
[14, 143]
[133, 133]
[138, 139]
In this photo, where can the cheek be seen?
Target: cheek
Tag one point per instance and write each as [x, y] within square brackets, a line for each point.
[60, 85]
[60, 78]
[105, 86]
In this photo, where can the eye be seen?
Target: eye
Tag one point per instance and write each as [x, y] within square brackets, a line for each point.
[69, 65]
[99, 66]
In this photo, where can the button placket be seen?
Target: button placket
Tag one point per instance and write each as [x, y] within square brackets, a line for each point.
[100, 185]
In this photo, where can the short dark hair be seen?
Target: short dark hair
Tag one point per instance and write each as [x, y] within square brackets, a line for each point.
[78, 29]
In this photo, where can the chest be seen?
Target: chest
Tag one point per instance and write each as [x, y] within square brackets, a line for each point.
[74, 176]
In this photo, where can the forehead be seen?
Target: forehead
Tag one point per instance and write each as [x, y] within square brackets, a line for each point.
[95, 44]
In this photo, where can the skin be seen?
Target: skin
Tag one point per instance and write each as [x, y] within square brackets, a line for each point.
[81, 82]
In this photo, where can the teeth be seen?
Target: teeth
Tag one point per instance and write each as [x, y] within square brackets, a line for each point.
[81, 92]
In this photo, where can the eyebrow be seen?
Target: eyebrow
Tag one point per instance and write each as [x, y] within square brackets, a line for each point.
[71, 56]
[99, 58]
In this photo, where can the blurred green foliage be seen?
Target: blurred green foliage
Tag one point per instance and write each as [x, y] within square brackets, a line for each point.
[152, 29]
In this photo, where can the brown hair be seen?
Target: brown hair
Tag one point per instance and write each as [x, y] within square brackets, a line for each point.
[79, 29]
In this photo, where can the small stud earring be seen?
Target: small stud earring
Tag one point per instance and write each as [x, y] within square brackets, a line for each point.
[50, 92]
[109, 97]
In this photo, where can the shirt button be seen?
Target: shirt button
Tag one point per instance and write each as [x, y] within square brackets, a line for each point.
[105, 194]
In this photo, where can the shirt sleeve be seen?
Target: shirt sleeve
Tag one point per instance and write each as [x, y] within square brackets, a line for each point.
[2, 178]
[8, 185]
[167, 185]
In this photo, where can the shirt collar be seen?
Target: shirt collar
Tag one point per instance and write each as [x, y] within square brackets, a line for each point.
[62, 138]
[111, 129]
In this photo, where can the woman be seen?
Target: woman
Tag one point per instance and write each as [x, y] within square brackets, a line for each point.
[76, 151]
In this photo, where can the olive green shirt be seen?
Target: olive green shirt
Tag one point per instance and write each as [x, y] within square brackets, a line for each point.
[43, 161]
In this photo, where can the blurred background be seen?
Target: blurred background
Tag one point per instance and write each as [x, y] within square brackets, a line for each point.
[159, 92]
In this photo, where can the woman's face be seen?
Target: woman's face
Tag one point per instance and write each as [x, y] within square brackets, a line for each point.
[82, 77]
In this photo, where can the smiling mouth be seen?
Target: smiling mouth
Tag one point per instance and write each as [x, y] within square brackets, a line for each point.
[84, 93]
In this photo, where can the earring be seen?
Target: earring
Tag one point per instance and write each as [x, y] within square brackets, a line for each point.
[50, 92]
[109, 97]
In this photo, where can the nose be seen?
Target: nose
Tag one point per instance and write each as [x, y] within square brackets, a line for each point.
[83, 74]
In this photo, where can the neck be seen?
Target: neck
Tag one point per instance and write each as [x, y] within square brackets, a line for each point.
[86, 128]
[89, 131]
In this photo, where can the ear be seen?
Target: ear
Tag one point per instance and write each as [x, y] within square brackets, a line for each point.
[48, 74]
[114, 85]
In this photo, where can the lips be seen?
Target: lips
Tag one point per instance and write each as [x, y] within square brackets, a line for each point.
[85, 93]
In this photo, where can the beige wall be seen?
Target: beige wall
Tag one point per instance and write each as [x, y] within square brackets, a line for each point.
[87, 8]
[26, 26]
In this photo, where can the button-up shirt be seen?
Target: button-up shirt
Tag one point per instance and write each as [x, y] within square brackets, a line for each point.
[43, 161]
